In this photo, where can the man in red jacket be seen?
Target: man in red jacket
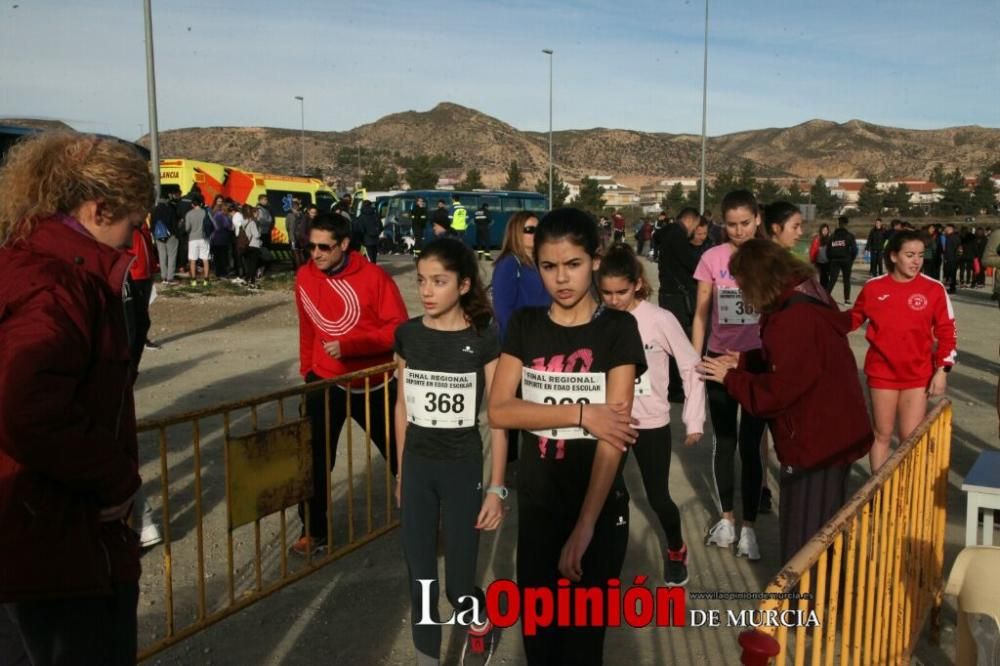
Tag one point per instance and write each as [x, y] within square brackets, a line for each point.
[69, 563]
[349, 309]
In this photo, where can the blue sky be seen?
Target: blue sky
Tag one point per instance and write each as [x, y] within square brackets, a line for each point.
[634, 65]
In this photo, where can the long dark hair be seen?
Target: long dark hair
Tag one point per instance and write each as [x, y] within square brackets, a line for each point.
[457, 258]
[778, 213]
[620, 261]
[764, 269]
[570, 224]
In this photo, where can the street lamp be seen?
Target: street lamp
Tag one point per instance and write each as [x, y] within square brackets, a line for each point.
[302, 108]
[154, 140]
[548, 52]
[704, 115]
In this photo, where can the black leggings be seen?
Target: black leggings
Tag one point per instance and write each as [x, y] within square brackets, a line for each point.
[724, 409]
[448, 492]
[338, 415]
[840, 268]
[652, 453]
[542, 531]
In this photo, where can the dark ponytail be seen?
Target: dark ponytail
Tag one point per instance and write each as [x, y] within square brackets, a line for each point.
[620, 261]
[457, 258]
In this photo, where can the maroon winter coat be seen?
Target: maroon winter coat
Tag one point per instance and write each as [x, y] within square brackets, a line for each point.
[809, 390]
[67, 419]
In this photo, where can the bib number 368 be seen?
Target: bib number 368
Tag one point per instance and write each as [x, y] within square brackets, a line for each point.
[440, 399]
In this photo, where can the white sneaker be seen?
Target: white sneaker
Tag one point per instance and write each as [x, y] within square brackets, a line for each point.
[748, 547]
[722, 534]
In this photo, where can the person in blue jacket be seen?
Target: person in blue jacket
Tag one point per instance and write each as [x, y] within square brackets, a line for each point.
[516, 283]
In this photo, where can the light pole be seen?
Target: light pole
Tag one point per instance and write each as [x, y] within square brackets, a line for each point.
[302, 135]
[154, 142]
[704, 114]
[548, 52]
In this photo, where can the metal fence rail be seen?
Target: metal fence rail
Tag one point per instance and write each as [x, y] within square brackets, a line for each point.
[874, 572]
[227, 481]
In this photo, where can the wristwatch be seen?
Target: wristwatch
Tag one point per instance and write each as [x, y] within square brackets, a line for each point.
[499, 491]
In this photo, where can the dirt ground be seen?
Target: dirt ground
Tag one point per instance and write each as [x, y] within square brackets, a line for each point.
[223, 343]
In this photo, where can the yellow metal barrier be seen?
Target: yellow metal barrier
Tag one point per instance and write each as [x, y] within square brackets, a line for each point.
[873, 573]
[264, 452]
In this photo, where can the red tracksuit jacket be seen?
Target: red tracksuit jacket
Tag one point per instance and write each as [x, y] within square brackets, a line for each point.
[360, 306]
[911, 330]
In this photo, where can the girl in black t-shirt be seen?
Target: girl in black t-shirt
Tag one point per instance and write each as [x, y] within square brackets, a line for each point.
[576, 365]
[446, 359]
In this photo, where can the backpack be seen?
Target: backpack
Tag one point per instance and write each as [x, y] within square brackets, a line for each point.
[160, 231]
[243, 239]
[207, 226]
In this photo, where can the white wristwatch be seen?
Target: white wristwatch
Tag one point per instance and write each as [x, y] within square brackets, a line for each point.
[499, 491]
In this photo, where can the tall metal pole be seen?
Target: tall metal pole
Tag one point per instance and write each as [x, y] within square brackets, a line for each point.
[302, 134]
[549, 53]
[704, 115]
[154, 141]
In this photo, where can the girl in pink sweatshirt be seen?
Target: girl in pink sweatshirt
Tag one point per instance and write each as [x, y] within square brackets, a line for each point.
[623, 286]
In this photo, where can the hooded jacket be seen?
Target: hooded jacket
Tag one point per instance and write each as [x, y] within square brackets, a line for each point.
[360, 306]
[809, 390]
[67, 419]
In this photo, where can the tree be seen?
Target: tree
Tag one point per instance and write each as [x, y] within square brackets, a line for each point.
[984, 192]
[694, 196]
[674, 201]
[747, 179]
[378, 177]
[795, 195]
[515, 179]
[897, 199]
[938, 175]
[560, 191]
[869, 198]
[420, 175]
[769, 192]
[826, 201]
[725, 182]
[473, 181]
[591, 197]
[954, 199]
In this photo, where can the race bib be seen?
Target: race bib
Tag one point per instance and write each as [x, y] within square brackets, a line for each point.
[643, 386]
[563, 388]
[733, 310]
[440, 399]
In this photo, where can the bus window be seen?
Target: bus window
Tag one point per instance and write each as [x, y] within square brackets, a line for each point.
[492, 202]
[512, 203]
[280, 201]
[534, 204]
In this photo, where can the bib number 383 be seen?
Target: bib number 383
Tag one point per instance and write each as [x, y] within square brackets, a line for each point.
[563, 388]
[440, 399]
[733, 310]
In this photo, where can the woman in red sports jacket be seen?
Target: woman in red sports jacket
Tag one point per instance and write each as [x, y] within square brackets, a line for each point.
[803, 380]
[911, 337]
[69, 563]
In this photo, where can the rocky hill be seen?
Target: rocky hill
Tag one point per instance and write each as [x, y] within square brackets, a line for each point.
[466, 138]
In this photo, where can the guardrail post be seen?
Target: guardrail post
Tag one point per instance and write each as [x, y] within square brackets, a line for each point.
[758, 648]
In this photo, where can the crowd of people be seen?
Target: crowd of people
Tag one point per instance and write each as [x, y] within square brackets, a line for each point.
[576, 364]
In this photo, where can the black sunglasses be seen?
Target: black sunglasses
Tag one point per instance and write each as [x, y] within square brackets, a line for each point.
[529, 230]
[322, 247]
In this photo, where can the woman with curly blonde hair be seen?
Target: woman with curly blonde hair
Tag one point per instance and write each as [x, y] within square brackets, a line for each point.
[69, 563]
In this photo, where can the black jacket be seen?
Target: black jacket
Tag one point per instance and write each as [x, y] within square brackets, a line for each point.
[876, 239]
[677, 261]
[418, 217]
[843, 247]
[165, 212]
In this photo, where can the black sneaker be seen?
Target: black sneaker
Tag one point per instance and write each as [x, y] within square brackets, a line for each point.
[766, 501]
[152, 346]
[480, 644]
[676, 567]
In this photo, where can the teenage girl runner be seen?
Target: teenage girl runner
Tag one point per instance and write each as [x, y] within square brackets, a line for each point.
[734, 328]
[576, 363]
[911, 337]
[446, 361]
[622, 284]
